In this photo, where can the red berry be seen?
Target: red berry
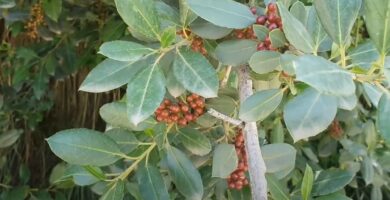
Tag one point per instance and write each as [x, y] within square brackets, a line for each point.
[174, 117]
[234, 176]
[261, 19]
[240, 35]
[193, 105]
[189, 117]
[174, 108]
[190, 99]
[164, 113]
[159, 118]
[272, 26]
[246, 182]
[254, 10]
[260, 46]
[185, 108]
[200, 103]
[167, 102]
[182, 122]
[267, 41]
[272, 7]
[195, 96]
[199, 111]
[232, 185]
[272, 18]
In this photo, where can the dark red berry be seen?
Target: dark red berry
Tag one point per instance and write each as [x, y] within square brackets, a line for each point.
[261, 19]
[272, 18]
[272, 26]
[253, 10]
[272, 8]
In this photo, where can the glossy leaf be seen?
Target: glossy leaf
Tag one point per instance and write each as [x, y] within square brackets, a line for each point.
[173, 86]
[338, 17]
[81, 176]
[124, 138]
[309, 114]
[383, 118]
[168, 36]
[195, 141]
[261, 104]
[184, 174]
[8, 138]
[295, 31]
[277, 190]
[225, 160]
[195, 73]
[151, 183]
[235, 52]
[208, 30]
[52, 8]
[186, 15]
[347, 102]
[111, 74]
[84, 147]
[364, 55]
[115, 114]
[140, 16]
[325, 76]
[322, 41]
[330, 181]
[263, 62]
[145, 93]
[279, 158]
[225, 13]
[373, 93]
[367, 170]
[298, 10]
[260, 31]
[116, 191]
[277, 37]
[125, 51]
[377, 17]
[333, 196]
[307, 183]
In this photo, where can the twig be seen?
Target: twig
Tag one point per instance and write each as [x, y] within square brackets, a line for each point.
[256, 162]
[225, 118]
[226, 78]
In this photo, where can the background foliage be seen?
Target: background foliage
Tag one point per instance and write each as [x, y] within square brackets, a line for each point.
[322, 99]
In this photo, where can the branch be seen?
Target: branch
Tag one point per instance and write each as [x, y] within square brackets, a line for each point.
[225, 118]
[255, 159]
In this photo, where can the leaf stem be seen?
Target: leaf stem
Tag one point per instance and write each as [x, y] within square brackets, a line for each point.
[226, 78]
[127, 172]
[342, 56]
[225, 118]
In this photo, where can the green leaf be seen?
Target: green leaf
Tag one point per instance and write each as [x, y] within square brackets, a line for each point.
[278, 39]
[371, 135]
[334, 196]
[8, 138]
[223, 104]
[145, 93]
[124, 138]
[367, 170]
[278, 190]
[347, 102]
[84, 147]
[330, 181]
[298, 10]
[5, 4]
[322, 41]
[364, 55]
[225, 160]
[325, 76]
[225, 13]
[387, 68]
[263, 62]
[260, 31]
[277, 134]
[184, 174]
[279, 158]
[151, 183]
[295, 31]
[373, 93]
[173, 86]
[52, 8]
[287, 63]
[116, 192]
[111, 74]
[115, 114]
[377, 17]
[186, 15]
[338, 17]
[307, 183]
[261, 104]
[207, 30]
[168, 37]
[81, 176]
[168, 16]
[376, 193]
[195, 141]
[383, 117]
[235, 52]
[125, 51]
[309, 114]
[195, 73]
[141, 16]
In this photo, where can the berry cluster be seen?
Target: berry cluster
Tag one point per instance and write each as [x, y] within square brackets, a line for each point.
[272, 21]
[36, 20]
[181, 112]
[237, 179]
[247, 33]
[197, 44]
